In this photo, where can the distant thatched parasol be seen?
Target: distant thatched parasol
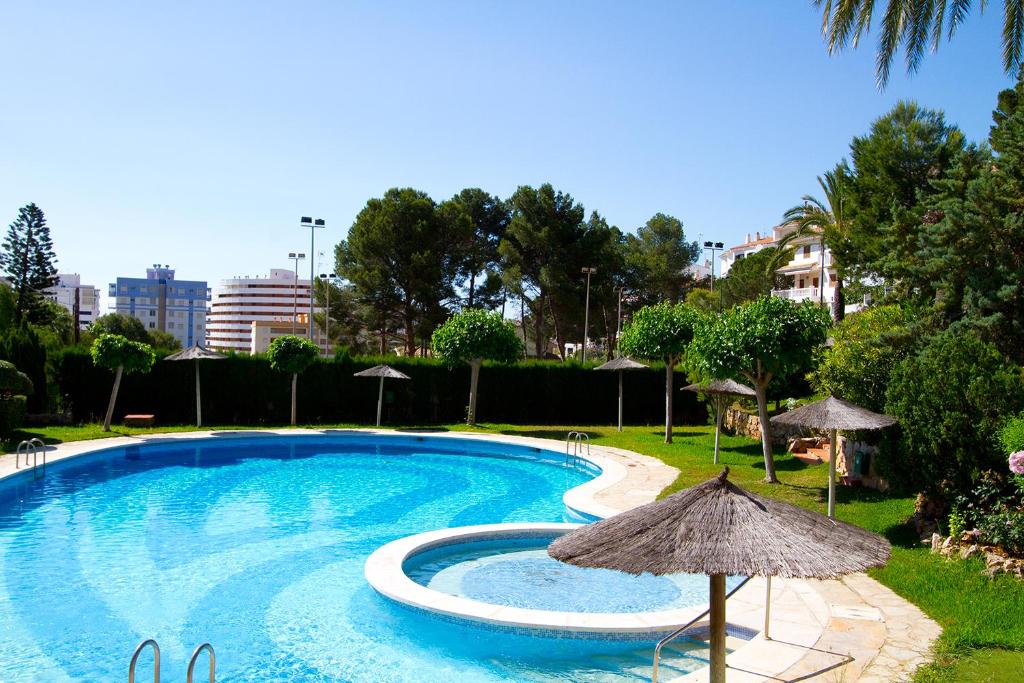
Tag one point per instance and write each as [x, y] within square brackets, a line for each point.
[196, 353]
[832, 414]
[381, 371]
[717, 528]
[719, 388]
[619, 364]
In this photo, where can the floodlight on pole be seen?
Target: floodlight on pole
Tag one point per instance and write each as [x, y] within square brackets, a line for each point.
[714, 247]
[586, 314]
[307, 222]
[295, 257]
[328, 280]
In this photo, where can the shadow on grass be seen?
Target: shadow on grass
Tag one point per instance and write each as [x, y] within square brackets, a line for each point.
[782, 465]
[556, 434]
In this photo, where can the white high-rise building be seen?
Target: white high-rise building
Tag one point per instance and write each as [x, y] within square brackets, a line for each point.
[247, 313]
[71, 294]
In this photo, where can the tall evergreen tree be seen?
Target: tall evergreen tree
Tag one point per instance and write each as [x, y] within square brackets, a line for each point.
[29, 262]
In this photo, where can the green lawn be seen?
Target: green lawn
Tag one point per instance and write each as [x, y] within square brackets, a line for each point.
[983, 620]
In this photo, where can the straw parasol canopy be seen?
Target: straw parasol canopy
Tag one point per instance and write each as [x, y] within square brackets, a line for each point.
[832, 415]
[717, 528]
[619, 364]
[197, 352]
[720, 388]
[382, 371]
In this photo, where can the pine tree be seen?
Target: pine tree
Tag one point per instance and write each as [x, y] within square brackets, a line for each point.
[29, 262]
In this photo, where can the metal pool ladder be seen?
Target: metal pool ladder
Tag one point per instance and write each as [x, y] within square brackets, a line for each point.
[679, 631]
[33, 446]
[578, 441]
[156, 661]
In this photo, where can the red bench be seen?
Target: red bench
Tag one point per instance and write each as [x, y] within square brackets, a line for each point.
[139, 420]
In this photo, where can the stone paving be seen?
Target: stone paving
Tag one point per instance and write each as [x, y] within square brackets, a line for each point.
[816, 626]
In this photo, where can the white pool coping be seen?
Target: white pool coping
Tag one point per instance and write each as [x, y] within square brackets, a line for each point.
[384, 572]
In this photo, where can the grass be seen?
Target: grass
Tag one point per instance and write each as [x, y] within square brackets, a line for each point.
[982, 619]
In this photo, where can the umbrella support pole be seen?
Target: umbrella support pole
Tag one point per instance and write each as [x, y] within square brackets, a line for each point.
[767, 607]
[380, 400]
[718, 424]
[199, 403]
[717, 624]
[620, 400]
[833, 437]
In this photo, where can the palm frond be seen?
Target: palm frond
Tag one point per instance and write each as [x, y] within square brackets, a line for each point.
[893, 26]
[957, 13]
[921, 16]
[1013, 30]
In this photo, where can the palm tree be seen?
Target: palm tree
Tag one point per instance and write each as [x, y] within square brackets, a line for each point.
[916, 24]
[827, 219]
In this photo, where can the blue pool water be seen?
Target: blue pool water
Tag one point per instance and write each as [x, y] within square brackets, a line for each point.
[517, 572]
[257, 545]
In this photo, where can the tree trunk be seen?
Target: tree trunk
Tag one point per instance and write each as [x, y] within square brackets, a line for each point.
[559, 341]
[474, 379]
[670, 362]
[472, 287]
[761, 389]
[295, 381]
[113, 398]
[383, 341]
[838, 300]
[410, 333]
[538, 327]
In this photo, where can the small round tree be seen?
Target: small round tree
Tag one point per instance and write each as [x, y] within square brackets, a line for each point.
[292, 354]
[756, 342]
[474, 336]
[121, 355]
[661, 332]
[13, 382]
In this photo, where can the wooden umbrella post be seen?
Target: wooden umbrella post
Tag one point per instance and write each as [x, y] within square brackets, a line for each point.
[380, 399]
[718, 423]
[620, 400]
[717, 618]
[833, 437]
[199, 403]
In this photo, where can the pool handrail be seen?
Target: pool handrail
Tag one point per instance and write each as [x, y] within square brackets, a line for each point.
[195, 657]
[135, 659]
[577, 439]
[33, 446]
[675, 634]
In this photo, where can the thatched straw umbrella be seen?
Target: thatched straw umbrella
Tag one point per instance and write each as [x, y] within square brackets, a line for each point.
[196, 353]
[381, 371]
[717, 528]
[832, 414]
[720, 388]
[619, 364]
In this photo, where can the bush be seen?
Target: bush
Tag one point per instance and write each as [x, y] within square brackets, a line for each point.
[951, 400]
[12, 414]
[1012, 435]
[866, 348]
[12, 381]
[22, 347]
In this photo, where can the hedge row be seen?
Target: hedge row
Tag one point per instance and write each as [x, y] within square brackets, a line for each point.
[244, 390]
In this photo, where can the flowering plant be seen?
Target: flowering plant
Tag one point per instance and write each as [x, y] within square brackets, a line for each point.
[1017, 462]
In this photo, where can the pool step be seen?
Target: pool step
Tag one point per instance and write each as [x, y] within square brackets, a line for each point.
[677, 659]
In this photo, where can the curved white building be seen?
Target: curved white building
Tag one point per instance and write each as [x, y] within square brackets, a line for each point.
[247, 313]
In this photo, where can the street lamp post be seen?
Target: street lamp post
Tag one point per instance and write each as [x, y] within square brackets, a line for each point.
[295, 257]
[714, 247]
[618, 319]
[327, 280]
[307, 222]
[586, 314]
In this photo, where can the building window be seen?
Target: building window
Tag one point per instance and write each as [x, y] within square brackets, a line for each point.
[152, 326]
[807, 250]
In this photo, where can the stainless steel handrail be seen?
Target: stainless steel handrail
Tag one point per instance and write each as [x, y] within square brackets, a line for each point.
[37, 443]
[33, 446]
[577, 445]
[135, 659]
[195, 656]
[17, 454]
[675, 634]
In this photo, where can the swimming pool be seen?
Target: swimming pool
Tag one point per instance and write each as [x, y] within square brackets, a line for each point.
[257, 545]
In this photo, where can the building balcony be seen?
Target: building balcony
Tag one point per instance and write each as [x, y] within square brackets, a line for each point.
[799, 294]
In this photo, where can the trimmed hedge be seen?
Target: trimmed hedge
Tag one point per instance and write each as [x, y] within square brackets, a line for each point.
[244, 390]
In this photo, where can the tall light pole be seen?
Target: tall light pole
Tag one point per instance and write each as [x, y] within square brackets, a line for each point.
[714, 247]
[295, 257]
[327, 280]
[586, 315]
[618, 319]
[307, 222]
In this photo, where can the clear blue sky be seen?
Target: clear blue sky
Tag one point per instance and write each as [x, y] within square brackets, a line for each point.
[196, 134]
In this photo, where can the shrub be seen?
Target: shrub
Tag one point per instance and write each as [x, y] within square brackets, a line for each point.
[123, 356]
[22, 347]
[866, 348]
[951, 399]
[293, 355]
[13, 382]
[12, 414]
[1012, 435]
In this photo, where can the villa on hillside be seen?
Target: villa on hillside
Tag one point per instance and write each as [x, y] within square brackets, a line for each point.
[813, 273]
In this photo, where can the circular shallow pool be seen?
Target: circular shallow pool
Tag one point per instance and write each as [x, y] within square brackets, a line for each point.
[257, 545]
[517, 572]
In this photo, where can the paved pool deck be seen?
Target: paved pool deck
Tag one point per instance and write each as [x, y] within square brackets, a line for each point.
[841, 631]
